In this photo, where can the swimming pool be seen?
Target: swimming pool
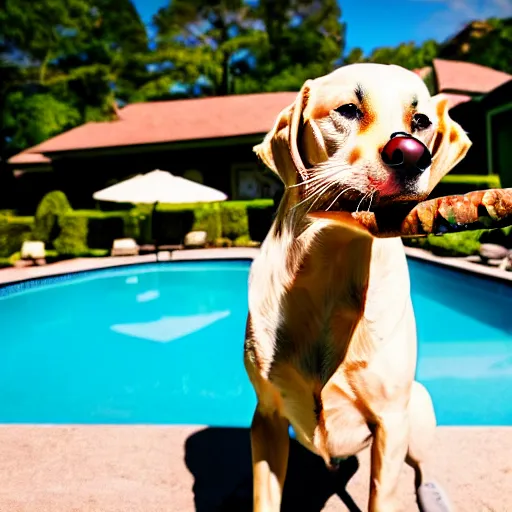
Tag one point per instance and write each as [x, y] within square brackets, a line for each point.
[162, 344]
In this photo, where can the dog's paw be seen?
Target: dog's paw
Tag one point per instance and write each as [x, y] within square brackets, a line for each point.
[432, 498]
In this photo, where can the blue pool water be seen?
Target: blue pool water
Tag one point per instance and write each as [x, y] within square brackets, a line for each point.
[162, 343]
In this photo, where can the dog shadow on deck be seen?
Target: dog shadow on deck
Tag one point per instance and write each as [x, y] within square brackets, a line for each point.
[220, 461]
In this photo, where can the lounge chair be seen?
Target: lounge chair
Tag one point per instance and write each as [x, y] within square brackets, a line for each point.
[125, 247]
[33, 251]
[492, 254]
[195, 240]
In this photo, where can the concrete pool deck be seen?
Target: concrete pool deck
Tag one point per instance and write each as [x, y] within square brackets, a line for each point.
[178, 468]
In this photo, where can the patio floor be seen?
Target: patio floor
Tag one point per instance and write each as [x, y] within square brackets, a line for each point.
[179, 469]
[167, 469]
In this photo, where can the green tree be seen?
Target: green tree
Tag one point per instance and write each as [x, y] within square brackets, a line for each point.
[196, 45]
[488, 43]
[303, 39]
[232, 46]
[407, 55]
[29, 119]
[67, 61]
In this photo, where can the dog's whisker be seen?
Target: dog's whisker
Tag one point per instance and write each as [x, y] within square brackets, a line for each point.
[316, 196]
[318, 176]
[362, 199]
[318, 189]
[339, 195]
[319, 193]
[371, 199]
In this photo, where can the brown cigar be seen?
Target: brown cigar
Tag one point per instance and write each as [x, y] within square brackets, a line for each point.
[483, 209]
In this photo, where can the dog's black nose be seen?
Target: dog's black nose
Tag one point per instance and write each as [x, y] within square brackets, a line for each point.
[406, 154]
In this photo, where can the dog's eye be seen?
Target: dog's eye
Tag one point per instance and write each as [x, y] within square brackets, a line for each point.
[350, 111]
[420, 122]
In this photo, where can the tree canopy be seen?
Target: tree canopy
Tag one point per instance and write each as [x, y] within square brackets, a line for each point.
[66, 62]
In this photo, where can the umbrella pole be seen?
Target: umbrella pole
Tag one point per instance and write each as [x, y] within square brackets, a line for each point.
[155, 241]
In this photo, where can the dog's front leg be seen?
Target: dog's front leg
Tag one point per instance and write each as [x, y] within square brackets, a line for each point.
[270, 447]
[389, 449]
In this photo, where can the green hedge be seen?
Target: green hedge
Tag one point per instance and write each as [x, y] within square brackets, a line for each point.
[71, 232]
[72, 239]
[453, 184]
[230, 220]
[234, 219]
[102, 227]
[13, 232]
[52, 206]
[465, 243]
[476, 180]
[172, 222]
[81, 230]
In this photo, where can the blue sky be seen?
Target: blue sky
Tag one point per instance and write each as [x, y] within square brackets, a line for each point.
[372, 23]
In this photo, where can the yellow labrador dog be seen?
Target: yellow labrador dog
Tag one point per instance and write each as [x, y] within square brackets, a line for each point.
[331, 338]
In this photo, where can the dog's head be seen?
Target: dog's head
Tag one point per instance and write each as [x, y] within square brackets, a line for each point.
[365, 134]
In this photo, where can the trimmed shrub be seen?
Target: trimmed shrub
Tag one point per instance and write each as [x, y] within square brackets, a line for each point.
[72, 240]
[132, 222]
[479, 181]
[172, 222]
[465, 243]
[208, 217]
[227, 220]
[10, 261]
[223, 242]
[102, 227]
[171, 226]
[13, 232]
[52, 206]
[83, 231]
[234, 219]
[245, 241]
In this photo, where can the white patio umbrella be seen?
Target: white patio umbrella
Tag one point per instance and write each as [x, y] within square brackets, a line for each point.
[159, 187]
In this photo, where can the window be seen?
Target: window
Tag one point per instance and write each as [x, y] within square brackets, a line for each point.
[251, 181]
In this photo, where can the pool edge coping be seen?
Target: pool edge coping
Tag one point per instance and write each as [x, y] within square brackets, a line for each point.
[78, 265]
[461, 264]
[83, 265]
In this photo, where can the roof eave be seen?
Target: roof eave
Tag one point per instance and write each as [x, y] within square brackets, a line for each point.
[157, 146]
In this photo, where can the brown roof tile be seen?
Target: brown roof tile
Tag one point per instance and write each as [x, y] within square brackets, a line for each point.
[173, 121]
[466, 77]
[226, 116]
[27, 157]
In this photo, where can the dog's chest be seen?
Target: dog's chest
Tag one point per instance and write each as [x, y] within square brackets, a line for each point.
[320, 312]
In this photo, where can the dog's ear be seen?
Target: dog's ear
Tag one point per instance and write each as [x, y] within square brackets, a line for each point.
[293, 143]
[449, 145]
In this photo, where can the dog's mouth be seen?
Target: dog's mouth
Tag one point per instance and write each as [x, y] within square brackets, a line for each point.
[361, 202]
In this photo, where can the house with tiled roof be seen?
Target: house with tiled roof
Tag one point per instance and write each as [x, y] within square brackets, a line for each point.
[210, 140]
[480, 99]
